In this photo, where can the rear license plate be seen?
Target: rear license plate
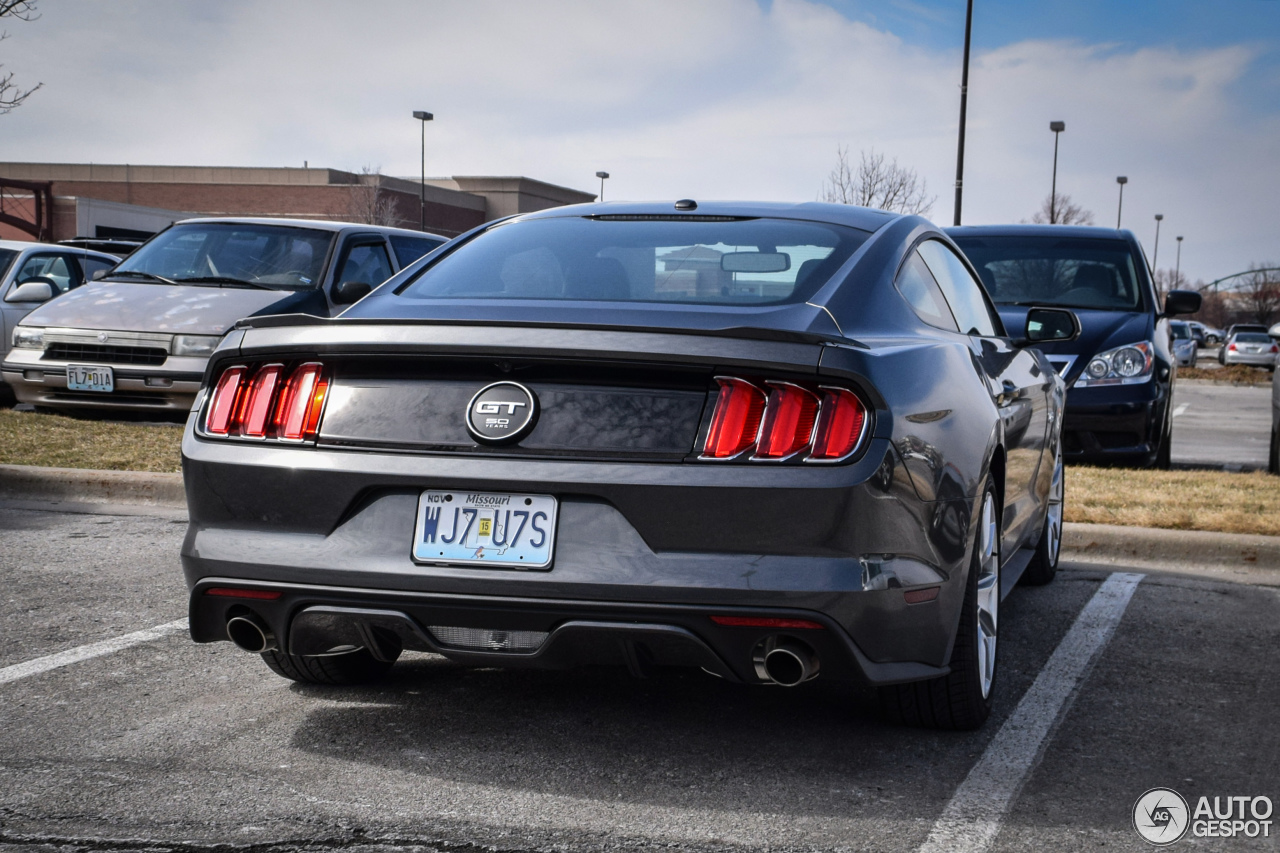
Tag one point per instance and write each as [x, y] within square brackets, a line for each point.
[87, 377]
[485, 529]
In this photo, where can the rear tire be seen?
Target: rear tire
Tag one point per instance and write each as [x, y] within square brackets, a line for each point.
[1044, 564]
[355, 667]
[962, 699]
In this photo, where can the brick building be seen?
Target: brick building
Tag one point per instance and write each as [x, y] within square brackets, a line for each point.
[55, 201]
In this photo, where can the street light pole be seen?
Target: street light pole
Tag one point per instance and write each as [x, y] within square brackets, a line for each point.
[602, 176]
[424, 117]
[1155, 253]
[1057, 127]
[1177, 268]
[964, 101]
[1121, 180]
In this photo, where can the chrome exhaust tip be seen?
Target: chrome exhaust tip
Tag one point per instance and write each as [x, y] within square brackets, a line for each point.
[251, 634]
[785, 661]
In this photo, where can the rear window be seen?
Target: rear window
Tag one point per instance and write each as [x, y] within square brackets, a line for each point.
[643, 259]
[1252, 338]
[1073, 273]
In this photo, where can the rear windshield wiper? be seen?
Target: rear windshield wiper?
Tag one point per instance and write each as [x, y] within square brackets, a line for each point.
[139, 274]
[223, 280]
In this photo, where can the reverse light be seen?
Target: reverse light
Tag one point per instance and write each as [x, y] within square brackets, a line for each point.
[788, 422]
[736, 422]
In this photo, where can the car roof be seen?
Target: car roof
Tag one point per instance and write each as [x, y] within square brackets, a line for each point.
[1027, 230]
[317, 224]
[862, 218]
[21, 245]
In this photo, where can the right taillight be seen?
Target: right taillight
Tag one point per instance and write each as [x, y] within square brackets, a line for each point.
[268, 402]
[840, 426]
[775, 421]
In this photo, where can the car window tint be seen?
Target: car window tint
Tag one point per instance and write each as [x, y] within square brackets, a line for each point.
[1074, 273]
[918, 287]
[93, 265]
[409, 249]
[279, 256]
[693, 259]
[1252, 338]
[52, 267]
[368, 263]
[6, 258]
[964, 295]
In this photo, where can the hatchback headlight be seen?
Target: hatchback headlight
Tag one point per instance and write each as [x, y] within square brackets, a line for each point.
[28, 337]
[1127, 365]
[195, 345]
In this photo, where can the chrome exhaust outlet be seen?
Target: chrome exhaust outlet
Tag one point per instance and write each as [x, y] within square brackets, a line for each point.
[252, 634]
[785, 661]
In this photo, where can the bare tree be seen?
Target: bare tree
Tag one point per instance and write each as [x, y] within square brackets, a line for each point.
[369, 203]
[1260, 294]
[1065, 212]
[1166, 280]
[878, 184]
[11, 94]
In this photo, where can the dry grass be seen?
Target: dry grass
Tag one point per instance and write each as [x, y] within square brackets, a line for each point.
[28, 438]
[1236, 374]
[1180, 500]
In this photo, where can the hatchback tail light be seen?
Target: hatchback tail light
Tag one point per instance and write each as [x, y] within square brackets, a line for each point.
[268, 402]
[1275, 348]
[777, 421]
[1231, 348]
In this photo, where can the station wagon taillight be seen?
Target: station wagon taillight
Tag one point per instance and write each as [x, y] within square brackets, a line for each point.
[777, 421]
[266, 401]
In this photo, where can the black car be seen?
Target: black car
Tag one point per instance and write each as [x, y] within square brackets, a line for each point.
[769, 441]
[1121, 368]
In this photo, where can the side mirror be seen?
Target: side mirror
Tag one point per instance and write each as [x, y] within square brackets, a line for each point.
[32, 290]
[1181, 302]
[350, 291]
[1050, 325]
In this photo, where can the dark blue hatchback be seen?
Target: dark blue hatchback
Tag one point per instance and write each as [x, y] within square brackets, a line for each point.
[1120, 371]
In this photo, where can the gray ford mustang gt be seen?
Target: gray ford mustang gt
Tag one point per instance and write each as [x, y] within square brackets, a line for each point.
[776, 442]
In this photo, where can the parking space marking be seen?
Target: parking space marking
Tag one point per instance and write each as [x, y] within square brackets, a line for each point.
[972, 818]
[92, 650]
[1180, 409]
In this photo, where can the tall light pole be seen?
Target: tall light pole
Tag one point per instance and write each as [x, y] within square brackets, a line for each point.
[964, 100]
[1121, 180]
[1155, 253]
[1177, 267]
[602, 176]
[1057, 127]
[424, 117]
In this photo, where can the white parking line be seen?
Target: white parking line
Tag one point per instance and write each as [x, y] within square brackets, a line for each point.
[1180, 409]
[971, 820]
[92, 650]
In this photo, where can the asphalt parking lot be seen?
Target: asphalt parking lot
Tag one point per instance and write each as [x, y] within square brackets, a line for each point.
[159, 743]
[1221, 426]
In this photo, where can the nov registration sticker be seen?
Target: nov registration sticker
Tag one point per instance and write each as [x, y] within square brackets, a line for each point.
[498, 530]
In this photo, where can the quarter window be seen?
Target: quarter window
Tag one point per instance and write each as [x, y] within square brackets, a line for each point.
[918, 287]
[963, 293]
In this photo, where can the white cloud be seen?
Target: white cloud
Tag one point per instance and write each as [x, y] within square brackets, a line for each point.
[716, 99]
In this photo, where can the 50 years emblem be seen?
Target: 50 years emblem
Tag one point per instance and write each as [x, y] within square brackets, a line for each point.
[501, 413]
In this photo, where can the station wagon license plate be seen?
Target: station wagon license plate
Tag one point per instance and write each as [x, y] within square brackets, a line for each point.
[86, 377]
[506, 531]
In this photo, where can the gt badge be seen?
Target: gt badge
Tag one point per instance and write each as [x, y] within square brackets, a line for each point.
[501, 413]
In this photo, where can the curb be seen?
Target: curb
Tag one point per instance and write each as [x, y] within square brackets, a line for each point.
[87, 486]
[1098, 543]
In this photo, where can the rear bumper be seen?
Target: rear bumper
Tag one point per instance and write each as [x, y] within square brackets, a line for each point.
[1262, 359]
[637, 544]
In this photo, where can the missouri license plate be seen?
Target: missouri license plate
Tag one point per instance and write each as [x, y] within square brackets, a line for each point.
[86, 377]
[497, 530]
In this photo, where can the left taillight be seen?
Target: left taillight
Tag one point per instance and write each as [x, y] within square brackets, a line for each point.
[268, 401]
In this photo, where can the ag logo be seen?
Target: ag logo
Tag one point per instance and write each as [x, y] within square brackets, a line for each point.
[1161, 816]
[501, 413]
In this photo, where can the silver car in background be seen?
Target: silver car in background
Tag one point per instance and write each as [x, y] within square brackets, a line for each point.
[1184, 343]
[139, 338]
[1254, 348]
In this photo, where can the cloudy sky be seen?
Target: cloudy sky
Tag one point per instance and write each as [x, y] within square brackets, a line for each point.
[692, 98]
